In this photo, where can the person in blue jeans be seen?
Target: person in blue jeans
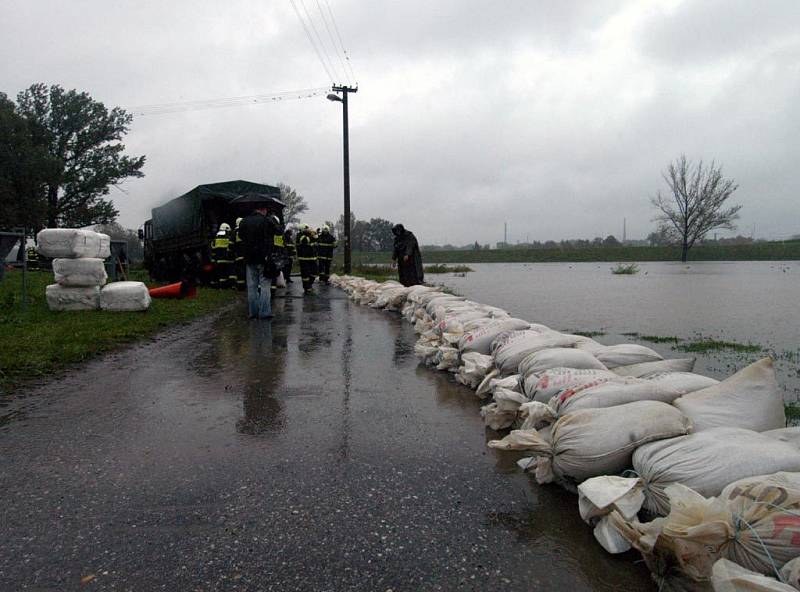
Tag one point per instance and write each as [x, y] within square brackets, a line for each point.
[257, 232]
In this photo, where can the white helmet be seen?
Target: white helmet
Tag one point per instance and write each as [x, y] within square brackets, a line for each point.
[238, 221]
[225, 227]
[326, 228]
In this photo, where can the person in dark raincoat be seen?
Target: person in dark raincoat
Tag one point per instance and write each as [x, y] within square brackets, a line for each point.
[407, 256]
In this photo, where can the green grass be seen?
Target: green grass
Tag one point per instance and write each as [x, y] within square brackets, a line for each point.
[709, 345]
[625, 269]
[589, 333]
[38, 342]
[766, 251]
[792, 413]
[659, 339]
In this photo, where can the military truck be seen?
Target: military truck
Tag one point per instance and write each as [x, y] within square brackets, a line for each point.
[177, 239]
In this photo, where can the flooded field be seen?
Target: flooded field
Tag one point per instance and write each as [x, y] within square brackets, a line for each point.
[674, 308]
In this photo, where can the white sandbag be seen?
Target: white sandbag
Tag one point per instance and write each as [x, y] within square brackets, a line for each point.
[481, 340]
[587, 344]
[626, 354]
[664, 387]
[72, 243]
[749, 399]
[508, 399]
[753, 522]
[790, 435]
[496, 419]
[78, 298]
[473, 369]
[80, 272]
[447, 359]
[645, 368]
[125, 296]
[727, 576]
[558, 357]
[553, 381]
[708, 461]
[508, 356]
[597, 442]
[599, 496]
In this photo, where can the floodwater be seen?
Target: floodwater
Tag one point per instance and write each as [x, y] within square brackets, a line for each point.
[308, 453]
[753, 302]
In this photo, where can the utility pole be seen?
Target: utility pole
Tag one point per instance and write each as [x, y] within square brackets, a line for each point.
[505, 233]
[346, 166]
[624, 229]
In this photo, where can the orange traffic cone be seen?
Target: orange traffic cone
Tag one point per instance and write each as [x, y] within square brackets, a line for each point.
[182, 289]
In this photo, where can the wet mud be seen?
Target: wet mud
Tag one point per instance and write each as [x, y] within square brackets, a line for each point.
[307, 453]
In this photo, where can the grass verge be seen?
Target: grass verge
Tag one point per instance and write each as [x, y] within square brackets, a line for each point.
[38, 342]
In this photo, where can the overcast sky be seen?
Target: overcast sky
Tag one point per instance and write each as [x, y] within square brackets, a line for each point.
[554, 116]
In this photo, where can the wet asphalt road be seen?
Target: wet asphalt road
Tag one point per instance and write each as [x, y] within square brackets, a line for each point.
[309, 453]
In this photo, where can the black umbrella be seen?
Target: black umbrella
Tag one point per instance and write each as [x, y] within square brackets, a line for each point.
[258, 200]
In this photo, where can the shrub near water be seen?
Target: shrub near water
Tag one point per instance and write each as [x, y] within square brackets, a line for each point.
[37, 341]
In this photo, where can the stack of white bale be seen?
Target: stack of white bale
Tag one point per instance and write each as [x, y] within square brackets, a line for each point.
[80, 274]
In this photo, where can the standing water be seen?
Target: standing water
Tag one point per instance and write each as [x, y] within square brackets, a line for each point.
[678, 309]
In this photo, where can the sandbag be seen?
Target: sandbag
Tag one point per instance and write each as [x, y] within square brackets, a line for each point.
[727, 576]
[508, 356]
[473, 368]
[626, 354]
[481, 339]
[80, 272]
[72, 243]
[75, 298]
[749, 399]
[753, 522]
[708, 461]
[558, 357]
[125, 296]
[497, 419]
[645, 368]
[551, 382]
[597, 442]
[600, 496]
[790, 435]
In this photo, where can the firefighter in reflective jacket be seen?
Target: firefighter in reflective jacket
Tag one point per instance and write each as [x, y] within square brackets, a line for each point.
[326, 243]
[291, 255]
[238, 260]
[32, 255]
[307, 256]
[222, 258]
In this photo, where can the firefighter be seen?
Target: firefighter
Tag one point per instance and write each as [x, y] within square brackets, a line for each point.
[222, 258]
[238, 260]
[307, 256]
[326, 243]
[278, 250]
[291, 255]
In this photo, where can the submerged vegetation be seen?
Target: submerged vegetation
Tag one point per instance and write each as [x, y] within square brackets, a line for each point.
[625, 269]
[658, 338]
[711, 345]
[589, 333]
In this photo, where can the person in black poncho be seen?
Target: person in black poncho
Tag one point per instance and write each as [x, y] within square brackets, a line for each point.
[407, 256]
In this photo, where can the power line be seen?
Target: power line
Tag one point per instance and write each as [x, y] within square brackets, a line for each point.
[178, 107]
[319, 39]
[333, 43]
[338, 35]
[311, 41]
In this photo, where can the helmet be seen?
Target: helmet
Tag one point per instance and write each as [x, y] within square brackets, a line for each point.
[225, 227]
[326, 228]
[304, 227]
[238, 221]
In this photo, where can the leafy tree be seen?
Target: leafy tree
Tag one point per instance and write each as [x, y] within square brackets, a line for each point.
[697, 203]
[24, 169]
[84, 138]
[295, 204]
[611, 241]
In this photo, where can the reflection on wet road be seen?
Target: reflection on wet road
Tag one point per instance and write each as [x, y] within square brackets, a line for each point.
[309, 453]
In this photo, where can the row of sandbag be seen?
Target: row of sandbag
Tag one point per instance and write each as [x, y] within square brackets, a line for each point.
[589, 412]
[80, 273]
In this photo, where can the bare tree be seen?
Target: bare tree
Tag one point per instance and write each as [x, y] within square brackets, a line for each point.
[696, 205]
[295, 204]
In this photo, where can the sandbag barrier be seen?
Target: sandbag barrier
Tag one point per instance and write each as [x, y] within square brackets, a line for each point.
[700, 476]
[80, 274]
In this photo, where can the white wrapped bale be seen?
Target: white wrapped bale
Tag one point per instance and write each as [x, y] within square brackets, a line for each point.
[72, 243]
[708, 461]
[125, 296]
[596, 442]
[626, 354]
[80, 272]
[83, 298]
[749, 399]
